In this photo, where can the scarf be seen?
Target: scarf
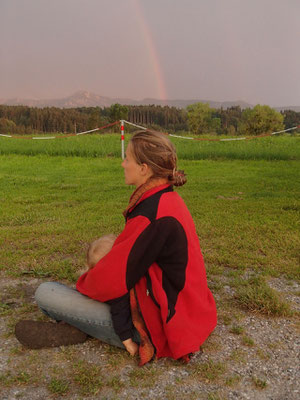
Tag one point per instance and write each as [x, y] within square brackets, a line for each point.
[138, 193]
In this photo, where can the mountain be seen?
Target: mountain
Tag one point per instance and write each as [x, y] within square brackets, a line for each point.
[84, 98]
[79, 99]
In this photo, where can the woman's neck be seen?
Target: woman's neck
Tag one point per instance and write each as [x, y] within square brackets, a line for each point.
[153, 182]
[139, 191]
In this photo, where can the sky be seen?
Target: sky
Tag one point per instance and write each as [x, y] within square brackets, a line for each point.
[219, 50]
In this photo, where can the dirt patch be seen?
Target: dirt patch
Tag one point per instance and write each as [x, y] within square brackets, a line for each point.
[247, 357]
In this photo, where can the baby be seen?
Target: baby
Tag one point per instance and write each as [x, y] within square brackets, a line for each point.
[120, 308]
[98, 249]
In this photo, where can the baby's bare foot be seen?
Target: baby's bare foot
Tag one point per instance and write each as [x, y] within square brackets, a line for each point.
[131, 347]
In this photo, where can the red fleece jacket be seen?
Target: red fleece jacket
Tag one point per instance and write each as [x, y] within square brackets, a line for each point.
[158, 253]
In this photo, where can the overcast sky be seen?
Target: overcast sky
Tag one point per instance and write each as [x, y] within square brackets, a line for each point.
[179, 49]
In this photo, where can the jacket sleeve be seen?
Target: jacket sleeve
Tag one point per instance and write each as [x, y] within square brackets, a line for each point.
[121, 317]
[154, 244]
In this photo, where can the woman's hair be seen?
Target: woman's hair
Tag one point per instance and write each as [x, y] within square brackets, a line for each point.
[158, 152]
[99, 248]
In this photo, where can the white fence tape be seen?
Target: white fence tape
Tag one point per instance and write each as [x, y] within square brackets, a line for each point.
[92, 130]
[286, 130]
[137, 126]
[48, 137]
[182, 137]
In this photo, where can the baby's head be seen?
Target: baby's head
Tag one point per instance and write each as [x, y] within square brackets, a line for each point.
[99, 248]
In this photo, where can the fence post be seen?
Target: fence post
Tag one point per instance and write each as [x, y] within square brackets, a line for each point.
[122, 139]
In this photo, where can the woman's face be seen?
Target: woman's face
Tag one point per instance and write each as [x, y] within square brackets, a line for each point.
[135, 174]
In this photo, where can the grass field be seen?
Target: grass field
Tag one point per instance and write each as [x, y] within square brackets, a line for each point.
[269, 148]
[57, 196]
[246, 212]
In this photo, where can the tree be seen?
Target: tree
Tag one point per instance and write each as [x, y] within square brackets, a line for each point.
[260, 120]
[200, 118]
[7, 126]
[291, 118]
[158, 117]
[117, 112]
[94, 120]
[230, 119]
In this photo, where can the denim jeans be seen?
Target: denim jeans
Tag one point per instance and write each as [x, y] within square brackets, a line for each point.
[63, 303]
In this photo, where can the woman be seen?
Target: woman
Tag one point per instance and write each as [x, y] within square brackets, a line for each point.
[156, 262]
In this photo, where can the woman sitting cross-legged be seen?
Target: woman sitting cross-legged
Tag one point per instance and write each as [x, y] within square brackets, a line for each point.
[151, 288]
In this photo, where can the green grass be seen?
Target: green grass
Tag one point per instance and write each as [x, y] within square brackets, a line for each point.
[20, 378]
[236, 329]
[259, 383]
[55, 201]
[209, 371]
[238, 356]
[256, 296]
[5, 309]
[232, 380]
[246, 212]
[58, 386]
[247, 341]
[108, 145]
[215, 396]
[88, 377]
[144, 377]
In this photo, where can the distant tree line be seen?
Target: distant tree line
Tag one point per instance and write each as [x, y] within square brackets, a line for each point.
[169, 118]
[28, 120]
[199, 118]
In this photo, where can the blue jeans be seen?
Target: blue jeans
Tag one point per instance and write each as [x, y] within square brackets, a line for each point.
[63, 303]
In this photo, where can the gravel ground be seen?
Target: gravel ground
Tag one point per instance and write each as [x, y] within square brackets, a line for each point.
[247, 357]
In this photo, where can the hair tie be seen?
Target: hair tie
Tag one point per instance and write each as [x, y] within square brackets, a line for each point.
[179, 178]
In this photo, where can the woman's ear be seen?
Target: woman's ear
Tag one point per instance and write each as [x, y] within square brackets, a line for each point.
[146, 170]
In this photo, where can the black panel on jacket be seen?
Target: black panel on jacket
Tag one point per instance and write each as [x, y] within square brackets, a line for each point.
[148, 207]
[163, 241]
[121, 316]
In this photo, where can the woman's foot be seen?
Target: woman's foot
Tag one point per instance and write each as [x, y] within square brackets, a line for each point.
[131, 347]
[38, 334]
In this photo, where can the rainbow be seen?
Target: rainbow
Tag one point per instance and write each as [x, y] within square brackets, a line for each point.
[153, 54]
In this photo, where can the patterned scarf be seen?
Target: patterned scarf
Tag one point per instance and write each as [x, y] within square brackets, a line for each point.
[146, 349]
[138, 193]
